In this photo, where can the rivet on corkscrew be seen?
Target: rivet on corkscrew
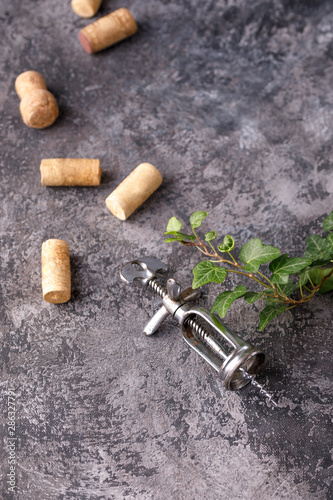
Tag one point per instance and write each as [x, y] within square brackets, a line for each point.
[236, 361]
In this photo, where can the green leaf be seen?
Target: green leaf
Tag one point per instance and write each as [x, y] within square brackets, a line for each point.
[210, 236]
[182, 236]
[317, 275]
[279, 278]
[254, 253]
[206, 272]
[268, 313]
[227, 245]
[275, 266]
[283, 266]
[174, 225]
[252, 297]
[328, 222]
[318, 249]
[277, 263]
[197, 218]
[327, 286]
[170, 240]
[315, 245]
[329, 241]
[225, 299]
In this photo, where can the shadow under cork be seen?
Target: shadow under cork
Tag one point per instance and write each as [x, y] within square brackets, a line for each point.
[107, 177]
[77, 264]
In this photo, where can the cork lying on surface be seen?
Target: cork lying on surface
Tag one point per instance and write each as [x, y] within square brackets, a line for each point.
[38, 106]
[56, 273]
[134, 190]
[70, 172]
[107, 31]
[86, 8]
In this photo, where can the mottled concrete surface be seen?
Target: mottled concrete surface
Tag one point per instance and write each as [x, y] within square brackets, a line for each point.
[233, 102]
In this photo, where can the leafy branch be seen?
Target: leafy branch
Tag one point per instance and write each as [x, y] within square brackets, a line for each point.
[312, 273]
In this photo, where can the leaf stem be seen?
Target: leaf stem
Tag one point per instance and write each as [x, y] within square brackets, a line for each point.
[248, 276]
[300, 286]
[282, 292]
[230, 255]
[203, 249]
[209, 243]
[270, 298]
[277, 294]
[200, 250]
[308, 275]
[267, 279]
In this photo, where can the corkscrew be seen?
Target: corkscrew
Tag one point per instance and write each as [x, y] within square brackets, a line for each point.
[236, 361]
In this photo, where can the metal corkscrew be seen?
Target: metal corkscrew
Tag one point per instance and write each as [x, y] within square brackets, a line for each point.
[236, 361]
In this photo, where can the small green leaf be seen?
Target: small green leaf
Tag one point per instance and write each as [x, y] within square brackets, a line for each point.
[179, 237]
[252, 297]
[318, 249]
[227, 245]
[206, 272]
[283, 266]
[225, 299]
[197, 218]
[210, 236]
[182, 236]
[279, 278]
[275, 267]
[317, 274]
[315, 245]
[170, 240]
[254, 253]
[328, 222]
[174, 225]
[276, 264]
[268, 313]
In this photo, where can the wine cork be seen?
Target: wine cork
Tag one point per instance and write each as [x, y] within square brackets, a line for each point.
[107, 31]
[134, 190]
[70, 172]
[56, 273]
[28, 81]
[38, 107]
[86, 8]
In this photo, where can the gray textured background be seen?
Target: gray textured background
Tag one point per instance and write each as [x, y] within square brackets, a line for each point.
[233, 102]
